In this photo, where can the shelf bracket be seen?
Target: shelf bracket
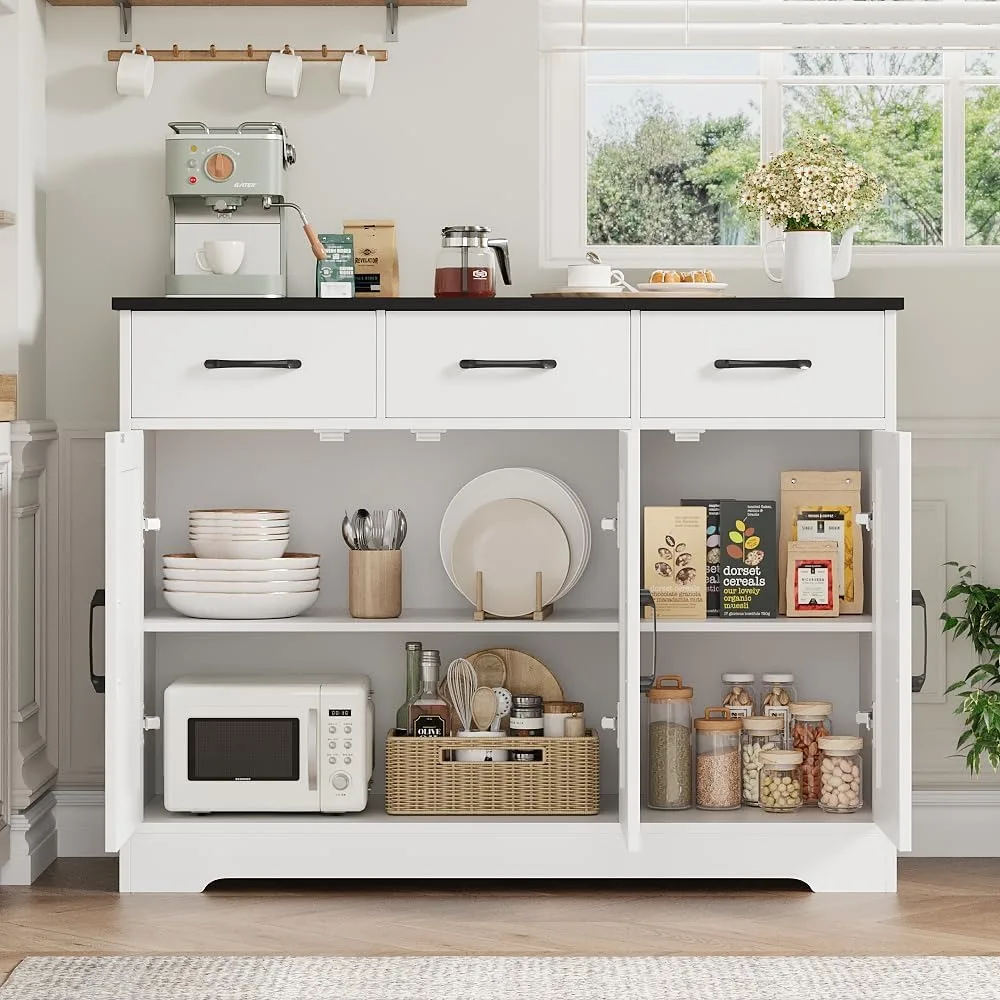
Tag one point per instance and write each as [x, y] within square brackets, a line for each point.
[391, 20]
[150, 722]
[864, 719]
[428, 436]
[150, 524]
[125, 19]
[867, 520]
[692, 436]
[337, 437]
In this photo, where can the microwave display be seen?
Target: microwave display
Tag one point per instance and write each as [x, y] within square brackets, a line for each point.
[345, 712]
[249, 749]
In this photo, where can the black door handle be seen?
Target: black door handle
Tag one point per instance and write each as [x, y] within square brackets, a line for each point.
[542, 364]
[918, 680]
[97, 601]
[792, 364]
[286, 363]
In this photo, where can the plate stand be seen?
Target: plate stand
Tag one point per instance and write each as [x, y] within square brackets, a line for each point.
[540, 613]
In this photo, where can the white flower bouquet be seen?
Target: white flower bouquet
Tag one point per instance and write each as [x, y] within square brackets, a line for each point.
[811, 186]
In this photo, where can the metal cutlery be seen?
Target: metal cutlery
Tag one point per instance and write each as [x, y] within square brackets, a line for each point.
[374, 530]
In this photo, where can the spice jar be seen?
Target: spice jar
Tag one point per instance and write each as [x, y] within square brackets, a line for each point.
[781, 781]
[526, 715]
[555, 714]
[810, 723]
[717, 760]
[777, 693]
[760, 733]
[738, 694]
[669, 743]
[841, 774]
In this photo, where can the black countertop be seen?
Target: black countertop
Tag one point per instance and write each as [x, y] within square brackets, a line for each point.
[648, 303]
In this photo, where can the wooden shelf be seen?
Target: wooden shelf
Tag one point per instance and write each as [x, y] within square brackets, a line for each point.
[812, 626]
[260, 3]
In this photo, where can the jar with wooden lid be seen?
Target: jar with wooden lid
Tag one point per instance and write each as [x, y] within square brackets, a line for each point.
[810, 723]
[777, 692]
[555, 714]
[760, 733]
[717, 760]
[781, 781]
[739, 694]
[841, 774]
[669, 742]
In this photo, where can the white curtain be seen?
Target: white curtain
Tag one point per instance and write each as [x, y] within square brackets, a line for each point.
[575, 25]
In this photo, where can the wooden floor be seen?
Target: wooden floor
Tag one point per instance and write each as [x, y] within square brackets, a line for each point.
[944, 907]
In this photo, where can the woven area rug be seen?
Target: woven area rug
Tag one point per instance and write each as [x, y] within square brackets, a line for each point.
[198, 977]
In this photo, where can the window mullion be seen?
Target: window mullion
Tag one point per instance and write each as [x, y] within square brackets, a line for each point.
[771, 120]
[953, 166]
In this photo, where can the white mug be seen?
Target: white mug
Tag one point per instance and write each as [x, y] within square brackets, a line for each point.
[593, 276]
[357, 73]
[221, 256]
[480, 755]
[284, 73]
[135, 73]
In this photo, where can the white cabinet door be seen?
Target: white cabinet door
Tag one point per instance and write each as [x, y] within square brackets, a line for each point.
[892, 752]
[629, 746]
[123, 666]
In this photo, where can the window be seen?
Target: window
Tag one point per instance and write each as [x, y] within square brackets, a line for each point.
[646, 149]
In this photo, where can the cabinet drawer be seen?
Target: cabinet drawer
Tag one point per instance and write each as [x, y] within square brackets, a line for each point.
[507, 365]
[331, 365]
[691, 366]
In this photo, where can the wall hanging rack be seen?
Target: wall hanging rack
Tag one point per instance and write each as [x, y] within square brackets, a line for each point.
[249, 54]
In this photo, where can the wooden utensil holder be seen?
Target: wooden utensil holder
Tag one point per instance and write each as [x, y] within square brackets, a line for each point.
[541, 612]
[375, 583]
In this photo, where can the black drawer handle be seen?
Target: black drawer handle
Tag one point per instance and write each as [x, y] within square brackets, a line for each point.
[287, 363]
[792, 364]
[97, 601]
[542, 364]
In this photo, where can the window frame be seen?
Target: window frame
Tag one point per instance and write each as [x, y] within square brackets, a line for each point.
[563, 201]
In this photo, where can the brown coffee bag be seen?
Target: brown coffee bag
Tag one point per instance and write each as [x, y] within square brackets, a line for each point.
[376, 260]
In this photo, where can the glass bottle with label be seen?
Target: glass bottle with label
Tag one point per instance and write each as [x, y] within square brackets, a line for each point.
[777, 693]
[739, 695]
[429, 712]
[413, 651]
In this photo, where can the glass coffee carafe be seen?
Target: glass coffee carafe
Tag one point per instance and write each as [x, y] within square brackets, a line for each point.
[467, 263]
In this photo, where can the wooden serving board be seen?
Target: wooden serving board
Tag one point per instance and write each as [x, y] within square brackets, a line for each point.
[525, 673]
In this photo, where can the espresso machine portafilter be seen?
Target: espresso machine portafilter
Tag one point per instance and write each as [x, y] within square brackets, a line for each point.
[224, 184]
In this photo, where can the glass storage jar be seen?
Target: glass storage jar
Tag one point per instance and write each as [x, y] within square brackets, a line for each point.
[717, 760]
[781, 781]
[669, 742]
[810, 723]
[738, 694]
[777, 692]
[841, 774]
[760, 733]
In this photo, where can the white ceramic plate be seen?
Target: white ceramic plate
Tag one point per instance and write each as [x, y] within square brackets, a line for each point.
[241, 606]
[525, 484]
[510, 541]
[214, 587]
[683, 287]
[240, 514]
[591, 290]
[241, 575]
[224, 548]
[207, 522]
[238, 535]
[290, 561]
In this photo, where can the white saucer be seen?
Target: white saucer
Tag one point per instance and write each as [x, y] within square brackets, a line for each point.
[591, 290]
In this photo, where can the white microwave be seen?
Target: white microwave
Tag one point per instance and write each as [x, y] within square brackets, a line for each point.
[294, 744]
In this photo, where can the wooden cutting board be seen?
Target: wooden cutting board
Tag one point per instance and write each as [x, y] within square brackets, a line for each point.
[525, 673]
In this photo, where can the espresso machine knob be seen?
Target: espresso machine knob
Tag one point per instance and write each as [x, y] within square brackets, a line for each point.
[220, 166]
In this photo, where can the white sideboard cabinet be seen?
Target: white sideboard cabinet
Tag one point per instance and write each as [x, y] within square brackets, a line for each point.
[628, 402]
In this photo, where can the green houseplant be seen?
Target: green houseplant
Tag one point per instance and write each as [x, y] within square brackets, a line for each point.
[980, 690]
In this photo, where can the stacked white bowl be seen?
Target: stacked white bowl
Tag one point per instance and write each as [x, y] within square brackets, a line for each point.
[239, 569]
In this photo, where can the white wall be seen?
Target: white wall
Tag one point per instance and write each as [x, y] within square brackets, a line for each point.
[451, 135]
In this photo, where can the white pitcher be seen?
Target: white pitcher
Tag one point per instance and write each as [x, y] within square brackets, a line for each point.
[809, 272]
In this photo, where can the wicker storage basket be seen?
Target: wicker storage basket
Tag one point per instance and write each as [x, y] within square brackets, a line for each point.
[421, 780]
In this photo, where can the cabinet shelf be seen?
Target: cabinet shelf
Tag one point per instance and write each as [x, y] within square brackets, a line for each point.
[846, 623]
[747, 816]
[418, 621]
[261, 3]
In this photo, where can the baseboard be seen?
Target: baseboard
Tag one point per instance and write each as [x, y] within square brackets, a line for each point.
[80, 818]
[956, 822]
[33, 842]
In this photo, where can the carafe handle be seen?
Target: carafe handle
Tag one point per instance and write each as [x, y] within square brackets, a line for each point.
[502, 250]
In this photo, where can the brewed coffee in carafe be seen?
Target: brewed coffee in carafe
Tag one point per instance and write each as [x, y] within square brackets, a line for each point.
[468, 262]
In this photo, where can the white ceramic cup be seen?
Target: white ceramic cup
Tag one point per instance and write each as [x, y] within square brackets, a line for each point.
[135, 73]
[481, 754]
[221, 256]
[593, 276]
[357, 73]
[284, 73]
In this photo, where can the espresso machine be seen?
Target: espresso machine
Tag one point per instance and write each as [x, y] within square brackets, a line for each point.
[228, 232]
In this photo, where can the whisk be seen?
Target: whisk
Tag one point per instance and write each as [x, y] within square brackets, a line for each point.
[462, 684]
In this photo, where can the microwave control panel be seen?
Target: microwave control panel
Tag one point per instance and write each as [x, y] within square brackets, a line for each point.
[345, 747]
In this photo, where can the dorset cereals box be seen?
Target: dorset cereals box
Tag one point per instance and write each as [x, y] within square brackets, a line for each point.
[749, 584]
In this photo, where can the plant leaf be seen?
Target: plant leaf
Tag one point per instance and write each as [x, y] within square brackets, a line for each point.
[735, 536]
[741, 526]
[734, 551]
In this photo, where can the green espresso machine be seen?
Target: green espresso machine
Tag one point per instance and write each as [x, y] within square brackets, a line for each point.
[226, 186]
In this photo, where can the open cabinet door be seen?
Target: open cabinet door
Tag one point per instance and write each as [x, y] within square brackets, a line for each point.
[891, 573]
[629, 572]
[124, 585]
